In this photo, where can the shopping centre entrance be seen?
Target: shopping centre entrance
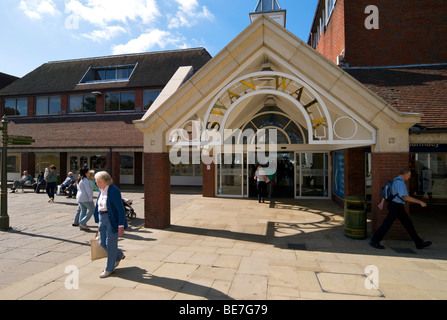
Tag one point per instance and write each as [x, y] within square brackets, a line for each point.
[300, 175]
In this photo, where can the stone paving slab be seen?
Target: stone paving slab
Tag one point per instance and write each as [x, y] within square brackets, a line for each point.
[216, 249]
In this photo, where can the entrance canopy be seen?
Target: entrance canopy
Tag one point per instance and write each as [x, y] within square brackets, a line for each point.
[268, 62]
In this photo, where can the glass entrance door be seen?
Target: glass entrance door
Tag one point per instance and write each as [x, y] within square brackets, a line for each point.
[229, 176]
[312, 175]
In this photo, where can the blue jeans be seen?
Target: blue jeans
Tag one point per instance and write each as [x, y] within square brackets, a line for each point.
[50, 189]
[85, 216]
[109, 240]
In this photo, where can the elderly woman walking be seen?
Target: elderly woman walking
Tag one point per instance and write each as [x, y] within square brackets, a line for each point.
[84, 196]
[110, 215]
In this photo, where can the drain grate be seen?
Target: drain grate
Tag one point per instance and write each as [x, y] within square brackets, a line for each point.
[297, 246]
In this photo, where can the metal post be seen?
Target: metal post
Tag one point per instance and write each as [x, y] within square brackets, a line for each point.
[4, 218]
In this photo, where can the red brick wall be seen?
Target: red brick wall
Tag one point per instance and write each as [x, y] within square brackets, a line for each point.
[332, 40]
[355, 172]
[157, 190]
[385, 167]
[410, 32]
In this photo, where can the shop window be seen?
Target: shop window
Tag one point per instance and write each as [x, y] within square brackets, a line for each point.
[431, 171]
[191, 168]
[46, 160]
[98, 163]
[126, 165]
[13, 165]
[74, 165]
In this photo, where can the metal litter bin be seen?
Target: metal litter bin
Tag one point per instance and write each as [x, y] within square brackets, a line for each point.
[355, 218]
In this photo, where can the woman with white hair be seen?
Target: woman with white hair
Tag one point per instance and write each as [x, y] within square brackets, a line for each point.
[110, 215]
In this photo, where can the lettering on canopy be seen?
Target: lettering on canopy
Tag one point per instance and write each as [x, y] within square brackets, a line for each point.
[269, 82]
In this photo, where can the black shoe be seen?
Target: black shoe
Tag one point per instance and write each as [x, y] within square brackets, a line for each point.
[75, 225]
[376, 245]
[424, 244]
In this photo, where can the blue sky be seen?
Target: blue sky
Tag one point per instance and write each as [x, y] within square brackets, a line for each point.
[33, 32]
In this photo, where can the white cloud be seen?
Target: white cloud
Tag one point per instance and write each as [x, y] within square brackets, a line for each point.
[103, 12]
[106, 33]
[188, 14]
[147, 41]
[35, 9]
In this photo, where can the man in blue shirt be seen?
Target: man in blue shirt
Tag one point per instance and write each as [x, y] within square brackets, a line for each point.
[396, 210]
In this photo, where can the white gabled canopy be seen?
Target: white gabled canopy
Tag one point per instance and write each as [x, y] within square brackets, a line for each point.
[266, 60]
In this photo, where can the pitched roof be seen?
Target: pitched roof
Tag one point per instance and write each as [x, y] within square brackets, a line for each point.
[6, 79]
[420, 89]
[153, 70]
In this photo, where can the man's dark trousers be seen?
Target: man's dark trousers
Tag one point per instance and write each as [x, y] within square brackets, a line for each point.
[396, 211]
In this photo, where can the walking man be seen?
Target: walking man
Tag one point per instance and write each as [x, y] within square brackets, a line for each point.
[396, 210]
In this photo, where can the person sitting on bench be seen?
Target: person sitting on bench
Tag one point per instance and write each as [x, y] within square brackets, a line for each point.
[26, 179]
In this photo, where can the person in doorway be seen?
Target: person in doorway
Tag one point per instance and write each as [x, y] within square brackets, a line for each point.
[51, 180]
[110, 215]
[396, 210]
[84, 196]
[261, 179]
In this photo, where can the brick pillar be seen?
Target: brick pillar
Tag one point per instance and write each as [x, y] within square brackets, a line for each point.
[113, 166]
[138, 170]
[209, 180]
[157, 190]
[355, 172]
[385, 167]
[28, 160]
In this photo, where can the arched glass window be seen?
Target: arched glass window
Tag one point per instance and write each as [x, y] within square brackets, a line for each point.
[288, 129]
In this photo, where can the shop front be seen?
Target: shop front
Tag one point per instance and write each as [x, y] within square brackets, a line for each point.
[268, 99]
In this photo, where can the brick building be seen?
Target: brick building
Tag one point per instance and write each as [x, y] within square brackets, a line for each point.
[397, 49]
[81, 112]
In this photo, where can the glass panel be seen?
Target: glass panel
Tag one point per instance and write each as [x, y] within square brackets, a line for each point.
[294, 133]
[230, 176]
[126, 165]
[75, 104]
[432, 175]
[99, 75]
[112, 102]
[55, 105]
[41, 106]
[314, 174]
[270, 120]
[111, 74]
[127, 101]
[46, 160]
[10, 107]
[149, 97]
[74, 167]
[22, 107]
[83, 162]
[13, 164]
[98, 163]
[89, 103]
[284, 184]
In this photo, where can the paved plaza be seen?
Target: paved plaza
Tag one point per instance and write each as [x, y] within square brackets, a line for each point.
[217, 249]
